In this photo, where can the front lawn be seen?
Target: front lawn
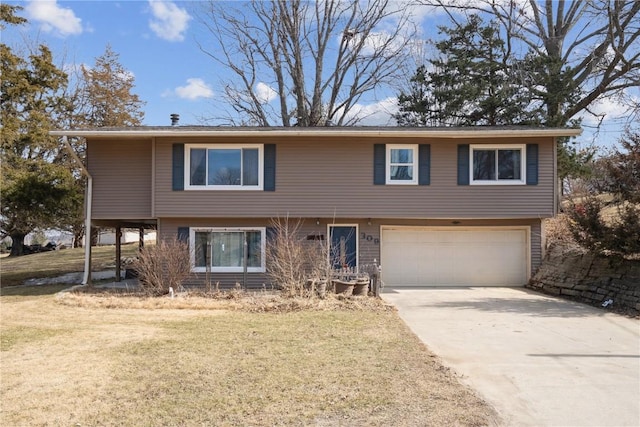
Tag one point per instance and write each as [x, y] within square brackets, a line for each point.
[68, 364]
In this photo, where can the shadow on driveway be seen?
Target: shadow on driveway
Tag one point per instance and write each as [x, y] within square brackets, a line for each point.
[539, 360]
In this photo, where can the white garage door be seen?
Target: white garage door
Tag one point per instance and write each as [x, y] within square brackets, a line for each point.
[460, 257]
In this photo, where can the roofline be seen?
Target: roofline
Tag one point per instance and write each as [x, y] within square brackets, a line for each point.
[453, 133]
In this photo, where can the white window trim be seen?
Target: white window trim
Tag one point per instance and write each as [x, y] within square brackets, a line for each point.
[187, 168]
[192, 240]
[523, 164]
[390, 147]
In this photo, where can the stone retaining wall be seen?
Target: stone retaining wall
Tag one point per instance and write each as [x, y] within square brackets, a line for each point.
[590, 278]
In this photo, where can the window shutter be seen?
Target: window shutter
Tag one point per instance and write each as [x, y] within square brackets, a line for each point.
[269, 167]
[178, 167]
[424, 164]
[532, 164]
[270, 235]
[183, 234]
[463, 164]
[379, 164]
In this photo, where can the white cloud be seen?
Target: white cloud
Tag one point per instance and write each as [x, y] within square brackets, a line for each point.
[169, 22]
[377, 114]
[194, 89]
[54, 18]
[607, 109]
[265, 93]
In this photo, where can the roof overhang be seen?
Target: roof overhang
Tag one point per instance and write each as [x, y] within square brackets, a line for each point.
[395, 132]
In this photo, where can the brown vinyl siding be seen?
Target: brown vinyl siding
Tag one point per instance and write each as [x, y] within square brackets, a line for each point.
[327, 177]
[121, 171]
[368, 238]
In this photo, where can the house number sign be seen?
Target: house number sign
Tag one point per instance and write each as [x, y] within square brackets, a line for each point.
[369, 238]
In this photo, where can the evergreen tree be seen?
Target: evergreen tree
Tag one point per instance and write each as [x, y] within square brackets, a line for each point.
[419, 107]
[471, 82]
[105, 97]
[36, 191]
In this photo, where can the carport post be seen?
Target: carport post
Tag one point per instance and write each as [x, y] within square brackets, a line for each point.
[141, 238]
[86, 279]
[118, 252]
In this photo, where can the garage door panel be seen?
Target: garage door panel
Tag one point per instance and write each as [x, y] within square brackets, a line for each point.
[422, 256]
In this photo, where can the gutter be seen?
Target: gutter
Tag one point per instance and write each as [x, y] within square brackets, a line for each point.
[86, 278]
[453, 133]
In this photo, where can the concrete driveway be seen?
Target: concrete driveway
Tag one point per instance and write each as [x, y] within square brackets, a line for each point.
[538, 360]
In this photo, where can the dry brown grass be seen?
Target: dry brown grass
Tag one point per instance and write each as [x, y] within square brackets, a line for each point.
[77, 363]
[14, 271]
[558, 231]
[232, 300]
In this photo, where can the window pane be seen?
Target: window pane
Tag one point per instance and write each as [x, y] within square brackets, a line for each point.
[484, 165]
[250, 166]
[254, 249]
[227, 249]
[198, 166]
[224, 167]
[401, 173]
[201, 241]
[401, 155]
[509, 164]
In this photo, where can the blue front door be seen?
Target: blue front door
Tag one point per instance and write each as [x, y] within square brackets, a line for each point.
[344, 246]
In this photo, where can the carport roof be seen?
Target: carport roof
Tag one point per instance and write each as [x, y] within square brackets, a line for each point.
[470, 132]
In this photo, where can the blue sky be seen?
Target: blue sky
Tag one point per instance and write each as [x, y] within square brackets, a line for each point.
[157, 42]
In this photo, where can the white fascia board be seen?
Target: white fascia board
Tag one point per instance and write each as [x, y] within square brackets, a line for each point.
[470, 133]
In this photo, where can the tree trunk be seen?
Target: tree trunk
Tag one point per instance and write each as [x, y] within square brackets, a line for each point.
[94, 236]
[78, 234]
[17, 244]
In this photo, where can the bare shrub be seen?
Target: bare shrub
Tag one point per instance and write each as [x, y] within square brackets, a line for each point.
[558, 231]
[301, 267]
[165, 265]
[287, 257]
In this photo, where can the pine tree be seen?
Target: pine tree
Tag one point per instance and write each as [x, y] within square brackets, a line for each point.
[106, 98]
[36, 192]
[472, 82]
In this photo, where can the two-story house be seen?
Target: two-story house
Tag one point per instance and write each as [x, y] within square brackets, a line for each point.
[441, 206]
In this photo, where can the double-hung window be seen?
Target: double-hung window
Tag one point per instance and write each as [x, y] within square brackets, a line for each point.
[502, 165]
[223, 249]
[402, 164]
[224, 167]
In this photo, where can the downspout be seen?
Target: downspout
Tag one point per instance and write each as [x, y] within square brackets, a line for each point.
[86, 279]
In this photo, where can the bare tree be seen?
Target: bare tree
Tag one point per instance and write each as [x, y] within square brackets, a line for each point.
[581, 51]
[295, 62]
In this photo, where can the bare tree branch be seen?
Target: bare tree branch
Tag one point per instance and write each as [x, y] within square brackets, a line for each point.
[591, 45]
[320, 58]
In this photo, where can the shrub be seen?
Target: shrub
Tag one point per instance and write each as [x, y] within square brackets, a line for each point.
[613, 225]
[164, 265]
[617, 232]
[295, 264]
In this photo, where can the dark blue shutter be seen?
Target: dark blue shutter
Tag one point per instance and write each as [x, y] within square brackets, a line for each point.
[424, 164]
[379, 165]
[463, 164]
[269, 167]
[178, 167]
[271, 234]
[532, 164]
[183, 234]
